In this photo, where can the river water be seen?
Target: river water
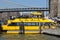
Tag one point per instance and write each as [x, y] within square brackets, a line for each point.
[27, 37]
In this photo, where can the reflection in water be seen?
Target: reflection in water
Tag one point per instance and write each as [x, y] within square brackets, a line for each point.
[27, 37]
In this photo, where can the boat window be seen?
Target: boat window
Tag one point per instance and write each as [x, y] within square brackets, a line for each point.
[53, 24]
[41, 24]
[13, 24]
[47, 24]
[31, 23]
[37, 23]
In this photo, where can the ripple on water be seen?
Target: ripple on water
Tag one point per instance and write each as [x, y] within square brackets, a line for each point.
[27, 37]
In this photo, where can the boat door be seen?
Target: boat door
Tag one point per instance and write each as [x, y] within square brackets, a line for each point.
[22, 28]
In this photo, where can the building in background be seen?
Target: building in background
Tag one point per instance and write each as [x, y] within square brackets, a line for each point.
[58, 8]
[6, 15]
[54, 8]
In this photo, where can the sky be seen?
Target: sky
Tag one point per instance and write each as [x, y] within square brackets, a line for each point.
[23, 3]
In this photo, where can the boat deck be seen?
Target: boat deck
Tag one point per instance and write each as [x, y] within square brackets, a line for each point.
[52, 31]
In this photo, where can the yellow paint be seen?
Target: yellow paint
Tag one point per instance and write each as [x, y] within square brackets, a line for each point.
[46, 27]
[10, 27]
[53, 27]
[13, 28]
[12, 32]
[28, 32]
[30, 20]
[4, 27]
[37, 13]
[31, 27]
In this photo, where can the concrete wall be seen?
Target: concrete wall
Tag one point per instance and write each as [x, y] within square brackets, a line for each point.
[53, 8]
[58, 8]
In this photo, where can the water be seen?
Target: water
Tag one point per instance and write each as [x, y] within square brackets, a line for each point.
[27, 37]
